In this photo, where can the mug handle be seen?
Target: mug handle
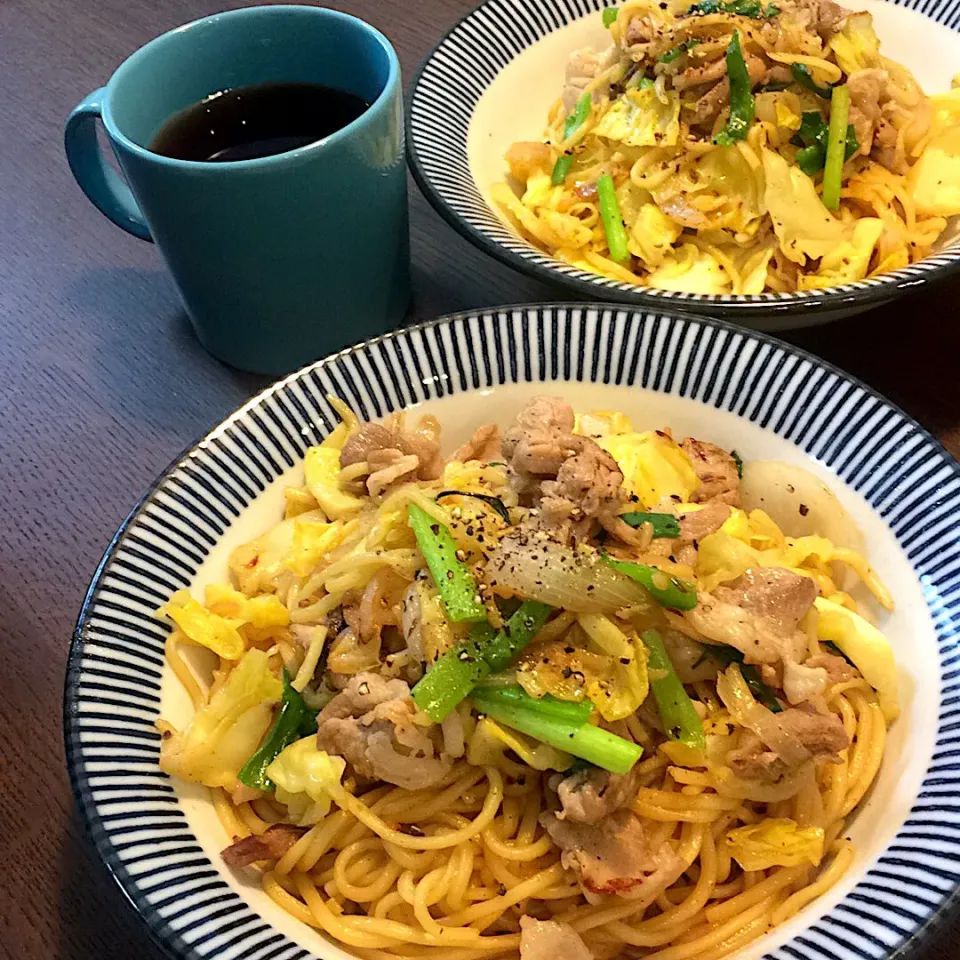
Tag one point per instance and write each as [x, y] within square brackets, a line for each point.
[104, 188]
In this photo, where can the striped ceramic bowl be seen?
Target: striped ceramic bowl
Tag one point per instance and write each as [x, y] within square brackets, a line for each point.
[491, 80]
[161, 839]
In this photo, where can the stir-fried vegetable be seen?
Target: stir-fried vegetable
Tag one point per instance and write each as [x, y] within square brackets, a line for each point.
[578, 580]
[741, 99]
[814, 134]
[664, 524]
[610, 16]
[302, 775]
[741, 8]
[574, 121]
[775, 843]
[486, 651]
[836, 147]
[666, 590]
[458, 589]
[295, 720]
[680, 719]
[727, 655]
[612, 219]
[561, 728]
[223, 734]
[802, 75]
[676, 52]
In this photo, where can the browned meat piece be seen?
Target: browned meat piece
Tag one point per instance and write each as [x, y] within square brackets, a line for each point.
[885, 150]
[753, 761]
[838, 670]
[829, 16]
[639, 30]
[370, 724]
[757, 613]
[550, 940]
[710, 103]
[526, 158]
[538, 441]
[583, 66]
[614, 856]
[771, 592]
[821, 734]
[588, 487]
[484, 445]
[698, 524]
[866, 89]
[375, 439]
[589, 795]
[717, 470]
[387, 467]
[272, 844]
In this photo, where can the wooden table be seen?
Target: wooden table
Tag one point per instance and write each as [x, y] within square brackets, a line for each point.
[102, 384]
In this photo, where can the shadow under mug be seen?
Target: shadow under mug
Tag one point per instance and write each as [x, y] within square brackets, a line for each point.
[282, 259]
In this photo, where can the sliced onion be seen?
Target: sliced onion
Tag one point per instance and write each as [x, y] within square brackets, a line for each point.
[738, 699]
[535, 567]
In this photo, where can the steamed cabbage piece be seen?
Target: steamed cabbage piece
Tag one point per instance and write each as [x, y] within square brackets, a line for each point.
[775, 843]
[224, 734]
[641, 119]
[489, 741]
[304, 775]
[653, 465]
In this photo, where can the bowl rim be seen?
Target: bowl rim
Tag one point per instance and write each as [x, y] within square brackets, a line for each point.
[158, 930]
[806, 303]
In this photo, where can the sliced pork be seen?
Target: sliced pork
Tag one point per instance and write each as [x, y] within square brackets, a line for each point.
[589, 795]
[371, 724]
[615, 855]
[272, 844]
[717, 470]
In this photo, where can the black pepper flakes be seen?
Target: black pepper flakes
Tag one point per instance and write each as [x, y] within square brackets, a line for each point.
[804, 509]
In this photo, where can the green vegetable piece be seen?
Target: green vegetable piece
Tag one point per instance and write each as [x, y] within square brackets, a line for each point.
[612, 219]
[494, 502]
[485, 651]
[576, 119]
[741, 99]
[583, 740]
[571, 711]
[836, 147]
[741, 8]
[610, 16]
[666, 590]
[680, 718]
[727, 655]
[561, 169]
[803, 76]
[811, 159]
[738, 460]
[664, 524]
[455, 583]
[293, 722]
[674, 54]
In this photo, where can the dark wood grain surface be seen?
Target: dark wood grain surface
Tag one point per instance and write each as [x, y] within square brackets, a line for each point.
[102, 384]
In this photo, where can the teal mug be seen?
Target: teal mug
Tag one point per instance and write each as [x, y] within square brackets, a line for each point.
[281, 259]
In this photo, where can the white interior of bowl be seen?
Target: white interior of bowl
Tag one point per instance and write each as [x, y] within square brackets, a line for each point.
[909, 628]
[515, 106]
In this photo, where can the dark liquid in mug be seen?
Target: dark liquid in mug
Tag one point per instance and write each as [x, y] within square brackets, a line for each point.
[260, 121]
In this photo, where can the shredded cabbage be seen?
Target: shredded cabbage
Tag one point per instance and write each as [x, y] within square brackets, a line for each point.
[934, 180]
[303, 775]
[225, 733]
[321, 468]
[260, 612]
[219, 634]
[312, 539]
[641, 119]
[803, 225]
[775, 843]
[866, 646]
[856, 45]
[850, 260]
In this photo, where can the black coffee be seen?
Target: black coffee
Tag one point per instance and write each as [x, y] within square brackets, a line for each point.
[249, 122]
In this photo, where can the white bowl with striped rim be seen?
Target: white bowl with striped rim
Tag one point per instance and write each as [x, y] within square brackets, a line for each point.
[490, 81]
[161, 839]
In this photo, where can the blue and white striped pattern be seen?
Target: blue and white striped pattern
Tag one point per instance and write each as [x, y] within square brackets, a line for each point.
[444, 96]
[113, 680]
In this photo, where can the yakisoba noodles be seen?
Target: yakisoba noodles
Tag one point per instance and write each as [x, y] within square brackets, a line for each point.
[737, 146]
[569, 686]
